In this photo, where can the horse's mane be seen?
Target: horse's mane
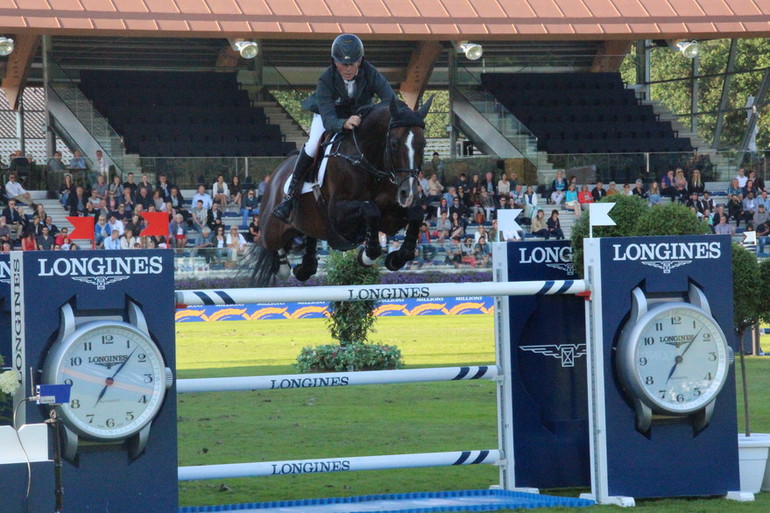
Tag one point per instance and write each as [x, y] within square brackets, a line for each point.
[404, 116]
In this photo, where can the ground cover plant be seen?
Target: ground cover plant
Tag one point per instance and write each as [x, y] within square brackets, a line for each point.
[359, 421]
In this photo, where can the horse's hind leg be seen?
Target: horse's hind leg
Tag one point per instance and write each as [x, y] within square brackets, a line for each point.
[309, 264]
[398, 259]
[372, 250]
[283, 265]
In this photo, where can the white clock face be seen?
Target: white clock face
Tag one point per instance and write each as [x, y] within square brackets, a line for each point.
[679, 358]
[117, 376]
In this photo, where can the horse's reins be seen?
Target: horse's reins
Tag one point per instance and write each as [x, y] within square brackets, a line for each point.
[361, 161]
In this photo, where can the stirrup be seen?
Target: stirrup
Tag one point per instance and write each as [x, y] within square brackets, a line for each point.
[282, 211]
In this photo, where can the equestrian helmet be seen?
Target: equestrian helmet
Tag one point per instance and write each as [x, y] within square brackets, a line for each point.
[347, 49]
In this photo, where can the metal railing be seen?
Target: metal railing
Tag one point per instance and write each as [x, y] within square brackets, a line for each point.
[468, 84]
[83, 109]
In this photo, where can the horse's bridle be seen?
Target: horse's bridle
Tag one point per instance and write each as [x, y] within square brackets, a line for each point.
[379, 174]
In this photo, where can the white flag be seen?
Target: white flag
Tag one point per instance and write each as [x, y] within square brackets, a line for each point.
[599, 216]
[506, 223]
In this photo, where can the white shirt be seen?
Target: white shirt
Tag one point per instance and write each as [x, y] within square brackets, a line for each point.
[207, 201]
[13, 189]
[102, 165]
[742, 180]
[112, 243]
[241, 240]
[350, 85]
[117, 226]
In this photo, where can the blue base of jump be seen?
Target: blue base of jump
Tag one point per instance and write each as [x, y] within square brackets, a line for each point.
[422, 502]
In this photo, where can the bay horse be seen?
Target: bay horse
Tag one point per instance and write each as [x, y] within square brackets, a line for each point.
[370, 186]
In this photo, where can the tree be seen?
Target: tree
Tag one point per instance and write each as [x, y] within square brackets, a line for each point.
[350, 322]
[748, 307]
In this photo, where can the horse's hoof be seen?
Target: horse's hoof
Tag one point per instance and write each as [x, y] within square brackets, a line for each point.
[303, 272]
[394, 262]
[366, 260]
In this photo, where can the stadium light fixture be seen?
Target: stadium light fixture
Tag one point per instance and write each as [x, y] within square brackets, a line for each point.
[689, 49]
[6, 46]
[247, 49]
[472, 51]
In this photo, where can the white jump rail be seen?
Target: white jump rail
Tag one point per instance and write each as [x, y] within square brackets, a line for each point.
[293, 467]
[376, 292]
[336, 379]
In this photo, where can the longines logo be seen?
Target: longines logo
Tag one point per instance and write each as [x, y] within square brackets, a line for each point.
[100, 271]
[556, 258]
[108, 361]
[668, 255]
[5, 272]
[567, 353]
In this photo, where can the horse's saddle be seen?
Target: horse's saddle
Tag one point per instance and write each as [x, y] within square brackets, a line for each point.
[318, 171]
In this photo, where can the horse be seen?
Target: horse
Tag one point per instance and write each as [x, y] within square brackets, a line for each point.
[370, 186]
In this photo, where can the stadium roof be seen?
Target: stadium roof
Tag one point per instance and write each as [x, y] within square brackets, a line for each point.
[392, 19]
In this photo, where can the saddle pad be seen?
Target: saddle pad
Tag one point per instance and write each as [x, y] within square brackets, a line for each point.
[308, 186]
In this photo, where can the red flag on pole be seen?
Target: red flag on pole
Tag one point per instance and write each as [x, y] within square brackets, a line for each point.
[82, 227]
[157, 224]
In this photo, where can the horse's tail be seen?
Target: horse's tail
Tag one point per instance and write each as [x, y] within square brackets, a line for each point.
[262, 264]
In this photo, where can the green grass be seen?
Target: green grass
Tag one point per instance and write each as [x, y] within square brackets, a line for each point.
[359, 421]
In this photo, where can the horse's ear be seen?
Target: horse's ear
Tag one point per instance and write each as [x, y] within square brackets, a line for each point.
[425, 108]
[394, 107]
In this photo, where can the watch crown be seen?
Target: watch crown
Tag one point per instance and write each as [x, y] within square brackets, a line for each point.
[169, 378]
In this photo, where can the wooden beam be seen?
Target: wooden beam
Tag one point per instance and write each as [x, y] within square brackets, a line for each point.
[228, 58]
[610, 56]
[418, 71]
[18, 65]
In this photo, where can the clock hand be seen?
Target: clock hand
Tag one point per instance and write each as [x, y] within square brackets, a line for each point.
[680, 357]
[109, 381]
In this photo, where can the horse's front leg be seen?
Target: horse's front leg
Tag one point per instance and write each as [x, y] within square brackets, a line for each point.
[309, 264]
[398, 259]
[372, 249]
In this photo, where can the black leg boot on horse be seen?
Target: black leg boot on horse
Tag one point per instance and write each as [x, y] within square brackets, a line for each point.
[283, 210]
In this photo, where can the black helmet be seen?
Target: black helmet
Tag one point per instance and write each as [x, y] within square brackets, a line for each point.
[347, 49]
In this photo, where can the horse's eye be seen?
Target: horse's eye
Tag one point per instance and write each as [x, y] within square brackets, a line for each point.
[393, 144]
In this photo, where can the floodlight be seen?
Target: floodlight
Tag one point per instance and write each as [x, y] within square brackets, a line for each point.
[472, 51]
[247, 49]
[689, 49]
[6, 46]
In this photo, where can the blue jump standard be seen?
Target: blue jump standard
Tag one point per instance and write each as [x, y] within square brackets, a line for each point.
[423, 502]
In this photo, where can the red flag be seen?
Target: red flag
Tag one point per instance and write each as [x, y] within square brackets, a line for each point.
[83, 227]
[157, 224]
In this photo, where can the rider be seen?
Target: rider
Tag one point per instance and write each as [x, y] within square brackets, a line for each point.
[348, 84]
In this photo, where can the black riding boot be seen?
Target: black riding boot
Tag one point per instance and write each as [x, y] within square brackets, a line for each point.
[283, 210]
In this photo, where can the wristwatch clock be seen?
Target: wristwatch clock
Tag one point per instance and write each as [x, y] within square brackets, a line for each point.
[118, 379]
[672, 359]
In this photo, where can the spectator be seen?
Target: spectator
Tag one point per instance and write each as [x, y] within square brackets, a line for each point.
[517, 197]
[435, 189]
[758, 182]
[741, 177]
[749, 207]
[51, 227]
[220, 192]
[205, 245]
[177, 202]
[55, 165]
[14, 218]
[262, 186]
[436, 166]
[457, 208]
[443, 227]
[253, 234]
[488, 204]
[116, 225]
[554, 226]
[538, 227]
[668, 184]
[236, 191]
[164, 186]
[708, 203]
[249, 206]
[101, 166]
[178, 232]
[638, 190]
[214, 216]
[29, 241]
[14, 190]
[45, 240]
[236, 244]
[571, 200]
[219, 242]
[612, 189]
[78, 202]
[200, 216]
[203, 196]
[113, 242]
[735, 209]
[734, 189]
[598, 191]
[158, 201]
[78, 163]
[62, 239]
[696, 183]
[5, 231]
[723, 228]
[558, 188]
[503, 185]
[143, 198]
[66, 189]
[127, 241]
[763, 237]
[749, 188]
[458, 225]
[627, 189]
[482, 251]
[654, 195]
[101, 231]
[530, 202]
[760, 216]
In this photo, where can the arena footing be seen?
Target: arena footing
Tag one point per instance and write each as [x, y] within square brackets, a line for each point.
[422, 502]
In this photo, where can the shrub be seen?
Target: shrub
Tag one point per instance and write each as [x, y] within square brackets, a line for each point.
[671, 219]
[355, 356]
